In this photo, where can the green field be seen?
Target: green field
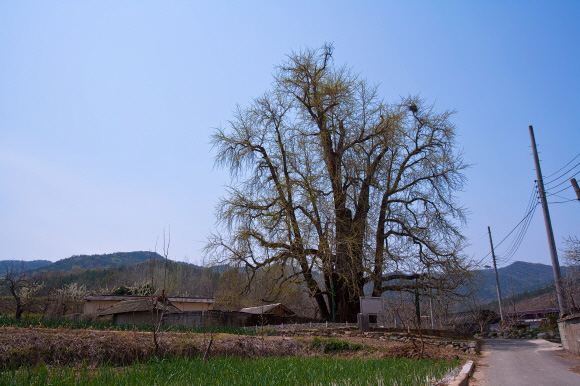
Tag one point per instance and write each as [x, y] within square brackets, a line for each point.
[236, 371]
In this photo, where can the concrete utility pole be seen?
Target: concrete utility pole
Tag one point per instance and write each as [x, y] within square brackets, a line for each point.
[576, 188]
[549, 232]
[496, 280]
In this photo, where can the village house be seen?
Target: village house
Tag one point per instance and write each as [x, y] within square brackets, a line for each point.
[96, 304]
[139, 311]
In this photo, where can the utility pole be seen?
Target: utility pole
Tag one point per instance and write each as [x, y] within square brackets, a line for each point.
[496, 279]
[549, 232]
[431, 298]
[576, 188]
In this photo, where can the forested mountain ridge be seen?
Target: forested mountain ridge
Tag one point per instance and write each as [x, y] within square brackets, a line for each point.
[110, 260]
[109, 271]
[23, 265]
[514, 279]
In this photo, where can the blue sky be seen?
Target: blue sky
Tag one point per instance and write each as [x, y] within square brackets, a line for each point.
[107, 107]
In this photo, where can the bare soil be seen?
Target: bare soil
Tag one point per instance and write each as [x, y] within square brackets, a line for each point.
[61, 346]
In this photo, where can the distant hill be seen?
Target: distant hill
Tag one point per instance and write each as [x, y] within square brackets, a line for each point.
[111, 260]
[22, 265]
[108, 272]
[514, 279]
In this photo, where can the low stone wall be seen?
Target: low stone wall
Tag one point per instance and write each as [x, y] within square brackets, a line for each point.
[570, 333]
[471, 346]
[427, 332]
[216, 318]
[514, 333]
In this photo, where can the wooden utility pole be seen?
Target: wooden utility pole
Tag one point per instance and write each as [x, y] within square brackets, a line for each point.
[496, 279]
[549, 231]
[576, 188]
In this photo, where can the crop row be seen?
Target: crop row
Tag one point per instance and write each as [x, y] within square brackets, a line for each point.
[239, 371]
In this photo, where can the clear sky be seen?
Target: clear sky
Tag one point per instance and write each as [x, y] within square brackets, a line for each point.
[107, 107]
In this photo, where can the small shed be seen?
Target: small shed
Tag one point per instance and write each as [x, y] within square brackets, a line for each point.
[269, 309]
[139, 311]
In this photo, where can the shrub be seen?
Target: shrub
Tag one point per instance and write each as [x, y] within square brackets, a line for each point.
[333, 345]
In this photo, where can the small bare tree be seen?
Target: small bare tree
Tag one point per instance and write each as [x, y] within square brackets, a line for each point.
[17, 279]
[159, 303]
[28, 296]
[67, 300]
[572, 280]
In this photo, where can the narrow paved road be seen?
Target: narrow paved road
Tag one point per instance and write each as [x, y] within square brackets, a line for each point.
[517, 362]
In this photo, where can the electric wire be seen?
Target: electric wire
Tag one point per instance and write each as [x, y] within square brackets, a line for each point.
[514, 246]
[565, 181]
[569, 162]
[533, 203]
[563, 198]
[562, 175]
[529, 210]
[562, 202]
[559, 191]
[476, 242]
[506, 257]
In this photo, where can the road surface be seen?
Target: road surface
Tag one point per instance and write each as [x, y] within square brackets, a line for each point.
[517, 362]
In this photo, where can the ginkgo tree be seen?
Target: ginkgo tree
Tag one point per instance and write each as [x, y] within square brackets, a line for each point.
[346, 191]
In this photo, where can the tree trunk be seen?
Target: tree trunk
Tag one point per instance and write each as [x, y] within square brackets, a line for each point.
[19, 310]
[347, 302]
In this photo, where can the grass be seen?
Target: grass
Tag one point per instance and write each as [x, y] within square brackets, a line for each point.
[237, 371]
[10, 321]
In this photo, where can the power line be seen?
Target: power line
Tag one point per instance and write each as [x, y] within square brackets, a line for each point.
[520, 236]
[562, 175]
[532, 204]
[566, 180]
[563, 198]
[484, 257]
[514, 247]
[569, 162]
[562, 202]
[559, 191]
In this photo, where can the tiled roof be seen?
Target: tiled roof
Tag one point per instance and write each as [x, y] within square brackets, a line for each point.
[139, 305]
[133, 297]
[266, 309]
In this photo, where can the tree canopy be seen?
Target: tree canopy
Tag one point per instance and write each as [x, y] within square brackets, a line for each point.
[343, 189]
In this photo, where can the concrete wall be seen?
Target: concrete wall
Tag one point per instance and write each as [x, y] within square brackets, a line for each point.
[96, 306]
[187, 319]
[141, 317]
[570, 333]
[189, 306]
[371, 305]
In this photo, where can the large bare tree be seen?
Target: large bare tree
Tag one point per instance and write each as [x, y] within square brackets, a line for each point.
[340, 187]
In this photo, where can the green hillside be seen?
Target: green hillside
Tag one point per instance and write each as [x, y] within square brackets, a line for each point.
[108, 272]
[111, 260]
[514, 279]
